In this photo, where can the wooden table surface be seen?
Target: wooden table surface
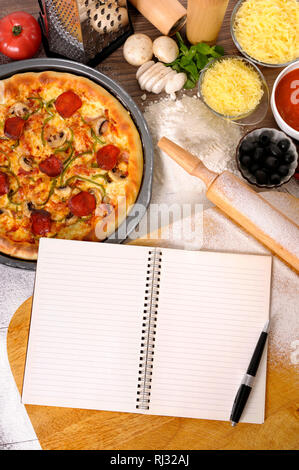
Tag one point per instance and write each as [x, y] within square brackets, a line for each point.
[125, 75]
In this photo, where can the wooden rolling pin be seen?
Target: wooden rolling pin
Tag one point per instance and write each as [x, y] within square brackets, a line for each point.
[242, 204]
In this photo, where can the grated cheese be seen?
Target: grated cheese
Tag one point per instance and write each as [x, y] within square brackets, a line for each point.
[268, 30]
[232, 88]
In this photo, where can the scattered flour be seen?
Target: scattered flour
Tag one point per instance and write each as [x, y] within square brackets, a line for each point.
[221, 234]
[190, 124]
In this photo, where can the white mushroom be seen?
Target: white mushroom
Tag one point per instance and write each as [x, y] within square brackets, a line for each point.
[71, 219]
[55, 138]
[63, 192]
[25, 163]
[175, 82]
[138, 49]
[19, 109]
[117, 175]
[152, 71]
[27, 208]
[97, 194]
[160, 84]
[165, 49]
[100, 126]
[143, 68]
[153, 80]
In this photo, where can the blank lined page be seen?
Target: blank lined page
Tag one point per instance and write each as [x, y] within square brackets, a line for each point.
[85, 331]
[212, 308]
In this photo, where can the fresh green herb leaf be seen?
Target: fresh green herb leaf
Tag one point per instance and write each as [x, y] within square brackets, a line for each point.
[201, 61]
[192, 60]
[219, 50]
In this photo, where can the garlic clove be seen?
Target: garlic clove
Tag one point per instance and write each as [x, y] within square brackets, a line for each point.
[175, 82]
[143, 68]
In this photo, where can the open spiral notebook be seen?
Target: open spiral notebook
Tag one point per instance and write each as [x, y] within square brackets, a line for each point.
[145, 330]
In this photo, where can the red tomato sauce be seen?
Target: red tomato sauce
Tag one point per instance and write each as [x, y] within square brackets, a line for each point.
[287, 98]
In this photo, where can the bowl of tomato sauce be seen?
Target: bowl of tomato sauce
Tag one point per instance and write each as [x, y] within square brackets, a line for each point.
[285, 100]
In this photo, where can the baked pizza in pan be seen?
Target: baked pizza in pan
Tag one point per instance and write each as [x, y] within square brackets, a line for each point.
[71, 161]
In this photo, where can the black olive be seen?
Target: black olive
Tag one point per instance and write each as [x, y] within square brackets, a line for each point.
[265, 138]
[283, 170]
[254, 168]
[245, 160]
[274, 150]
[275, 178]
[261, 177]
[69, 216]
[258, 154]
[1, 211]
[271, 162]
[283, 145]
[247, 147]
[289, 157]
[30, 206]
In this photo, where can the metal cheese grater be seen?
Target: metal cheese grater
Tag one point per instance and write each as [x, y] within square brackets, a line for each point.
[84, 30]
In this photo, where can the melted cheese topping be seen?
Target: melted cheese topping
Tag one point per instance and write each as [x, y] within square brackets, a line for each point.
[232, 88]
[37, 188]
[268, 30]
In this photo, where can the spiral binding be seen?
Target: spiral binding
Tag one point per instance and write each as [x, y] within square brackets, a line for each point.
[149, 329]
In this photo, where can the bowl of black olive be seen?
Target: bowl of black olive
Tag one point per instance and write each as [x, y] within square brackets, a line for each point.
[267, 157]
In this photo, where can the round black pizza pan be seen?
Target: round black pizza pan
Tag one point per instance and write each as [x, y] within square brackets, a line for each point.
[143, 199]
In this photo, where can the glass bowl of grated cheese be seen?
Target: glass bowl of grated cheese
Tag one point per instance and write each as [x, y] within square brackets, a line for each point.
[234, 89]
[266, 31]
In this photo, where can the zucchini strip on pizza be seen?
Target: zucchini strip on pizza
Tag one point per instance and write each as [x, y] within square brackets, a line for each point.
[71, 161]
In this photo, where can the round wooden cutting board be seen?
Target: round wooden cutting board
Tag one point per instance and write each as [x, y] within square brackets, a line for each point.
[66, 428]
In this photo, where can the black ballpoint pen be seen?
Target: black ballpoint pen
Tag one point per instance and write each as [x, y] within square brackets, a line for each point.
[247, 382]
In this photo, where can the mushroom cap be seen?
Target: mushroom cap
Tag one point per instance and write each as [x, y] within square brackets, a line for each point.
[19, 109]
[165, 49]
[55, 137]
[138, 49]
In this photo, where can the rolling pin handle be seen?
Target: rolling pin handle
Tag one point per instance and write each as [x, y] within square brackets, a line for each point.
[186, 160]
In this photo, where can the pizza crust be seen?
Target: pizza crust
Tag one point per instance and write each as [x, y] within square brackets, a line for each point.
[18, 250]
[20, 85]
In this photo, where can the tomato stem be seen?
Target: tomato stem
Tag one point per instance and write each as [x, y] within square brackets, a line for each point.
[17, 29]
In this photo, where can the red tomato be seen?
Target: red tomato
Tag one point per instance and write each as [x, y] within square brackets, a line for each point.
[20, 35]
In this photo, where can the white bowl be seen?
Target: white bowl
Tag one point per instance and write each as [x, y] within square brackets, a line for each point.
[280, 122]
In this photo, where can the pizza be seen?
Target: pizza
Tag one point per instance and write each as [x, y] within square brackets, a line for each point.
[71, 161]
